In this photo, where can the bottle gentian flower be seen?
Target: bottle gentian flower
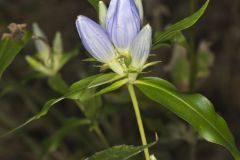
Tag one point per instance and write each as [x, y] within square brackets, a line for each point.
[118, 41]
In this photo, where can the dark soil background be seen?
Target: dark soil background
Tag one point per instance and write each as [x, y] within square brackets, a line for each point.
[220, 26]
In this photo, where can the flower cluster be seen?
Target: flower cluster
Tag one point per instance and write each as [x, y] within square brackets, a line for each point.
[119, 41]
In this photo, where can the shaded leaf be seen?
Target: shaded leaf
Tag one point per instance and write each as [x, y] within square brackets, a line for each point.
[179, 67]
[94, 3]
[74, 92]
[40, 114]
[122, 152]
[58, 84]
[205, 59]
[197, 110]
[9, 48]
[57, 43]
[90, 104]
[41, 44]
[80, 92]
[51, 144]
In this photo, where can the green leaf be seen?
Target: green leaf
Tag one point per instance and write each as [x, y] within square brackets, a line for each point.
[179, 67]
[150, 64]
[64, 58]
[80, 92]
[41, 44]
[38, 66]
[90, 104]
[57, 43]
[122, 152]
[197, 110]
[104, 79]
[113, 87]
[74, 92]
[9, 49]
[51, 144]
[170, 32]
[58, 84]
[40, 114]
[205, 59]
[94, 3]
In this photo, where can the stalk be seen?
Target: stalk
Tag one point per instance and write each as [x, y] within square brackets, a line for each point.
[139, 119]
[192, 50]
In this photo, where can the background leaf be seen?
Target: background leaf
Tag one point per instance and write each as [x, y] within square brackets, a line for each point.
[122, 152]
[80, 92]
[58, 84]
[40, 114]
[94, 3]
[195, 109]
[53, 142]
[171, 31]
[9, 49]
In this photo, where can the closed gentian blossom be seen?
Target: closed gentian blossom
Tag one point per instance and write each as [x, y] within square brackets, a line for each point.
[119, 40]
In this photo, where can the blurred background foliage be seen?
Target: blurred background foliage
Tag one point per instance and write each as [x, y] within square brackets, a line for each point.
[65, 134]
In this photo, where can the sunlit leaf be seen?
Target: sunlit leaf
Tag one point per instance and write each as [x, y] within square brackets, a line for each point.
[104, 79]
[171, 31]
[197, 110]
[150, 64]
[112, 87]
[74, 92]
[9, 48]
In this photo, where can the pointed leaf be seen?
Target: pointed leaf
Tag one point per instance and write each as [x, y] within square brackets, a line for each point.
[122, 152]
[80, 92]
[40, 114]
[197, 110]
[170, 32]
[113, 87]
[94, 3]
[9, 49]
[57, 43]
[51, 144]
[38, 66]
[58, 84]
[74, 92]
[104, 79]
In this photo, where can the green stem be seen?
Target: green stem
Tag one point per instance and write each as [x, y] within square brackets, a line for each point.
[100, 135]
[139, 119]
[95, 127]
[192, 50]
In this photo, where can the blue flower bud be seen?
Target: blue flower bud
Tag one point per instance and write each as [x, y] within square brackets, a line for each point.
[122, 23]
[95, 39]
[140, 47]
